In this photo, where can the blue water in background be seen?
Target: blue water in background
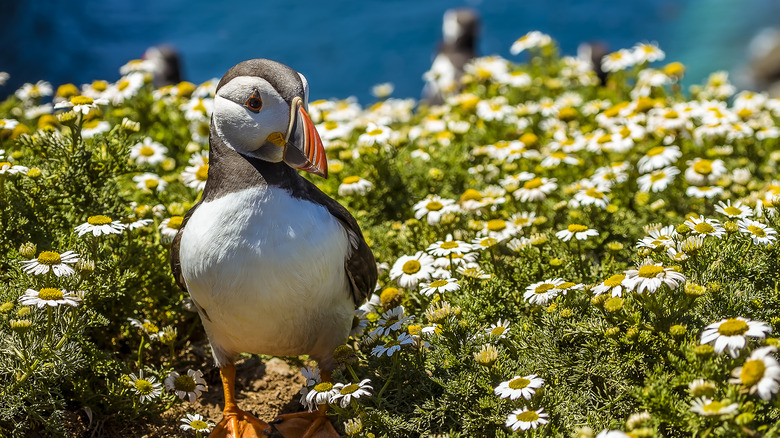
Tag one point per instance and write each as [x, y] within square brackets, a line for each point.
[345, 47]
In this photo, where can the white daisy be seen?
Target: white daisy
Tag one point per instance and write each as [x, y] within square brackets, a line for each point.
[543, 292]
[591, 196]
[499, 329]
[190, 385]
[614, 285]
[648, 53]
[393, 346]
[445, 248]
[738, 210]
[391, 321]
[409, 271]
[530, 40]
[579, 232]
[354, 185]
[147, 388]
[433, 207]
[760, 233]
[148, 152]
[197, 423]
[658, 157]
[51, 261]
[707, 407]
[195, 175]
[612, 434]
[346, 393]
[524, 419]
[321, 393]
[375, 135]
[657, 180]
[440, 286]
[701, 171]
[730, 335]
[519, 387]
[705, 227]
[100, 225]
[312, 375]
[706, 192]
[650, 276]
[169, 227]
[81, 104]
[7, 168]
[48, 296]
[535, 189]
[149, 181]
[759, 374]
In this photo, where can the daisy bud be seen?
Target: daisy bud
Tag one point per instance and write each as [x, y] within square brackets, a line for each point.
[538, 239]
[730, 227]
[34, 173]
[615, 246]
[583, 432]
[566, 313]
[552, 308]
[344, 355]
[702, 388]
[613, 304]
[486, 356]
[28, 250]
[632, 333]
[85, 267]
[683, 229]
[130, 125]
[612, 332]
[6, 307]
[637, 419]
[694, 290]
[773, 341]
[66, 117]
[21, 325]
[24, 311]
[642, 198]
[353, 426]
[539, 221]
[677, 330]
[642, 432]
[674, 69]
[17, 155]
[704, 350]
[657, 205]
[644, 252]
[744, 418]
[556, 263]
[390, 297]
[612, 208]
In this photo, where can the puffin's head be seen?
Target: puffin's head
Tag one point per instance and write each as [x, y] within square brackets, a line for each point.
[260, 111]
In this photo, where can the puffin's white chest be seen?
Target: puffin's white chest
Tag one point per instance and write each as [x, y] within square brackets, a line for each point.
[268, 269]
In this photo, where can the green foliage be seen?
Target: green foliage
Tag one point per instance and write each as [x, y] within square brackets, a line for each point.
[511, 169]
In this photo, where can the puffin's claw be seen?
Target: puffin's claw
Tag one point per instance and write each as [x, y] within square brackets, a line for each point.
[305, 425]
[240, 424]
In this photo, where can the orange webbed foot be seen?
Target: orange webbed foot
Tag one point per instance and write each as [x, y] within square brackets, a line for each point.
[305, 425]
[240, 424]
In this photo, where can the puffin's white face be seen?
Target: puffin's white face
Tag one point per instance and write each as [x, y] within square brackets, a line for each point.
[250, 115]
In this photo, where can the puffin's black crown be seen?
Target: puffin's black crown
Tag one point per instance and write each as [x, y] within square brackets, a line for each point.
[285, 80]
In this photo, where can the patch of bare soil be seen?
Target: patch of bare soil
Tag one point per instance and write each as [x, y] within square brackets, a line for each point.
[266, 389]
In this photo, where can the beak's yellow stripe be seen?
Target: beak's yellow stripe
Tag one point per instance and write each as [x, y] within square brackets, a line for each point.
[277, 138]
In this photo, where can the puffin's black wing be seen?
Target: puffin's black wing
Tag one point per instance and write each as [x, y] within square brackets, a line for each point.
[175, 261]
[361, 266]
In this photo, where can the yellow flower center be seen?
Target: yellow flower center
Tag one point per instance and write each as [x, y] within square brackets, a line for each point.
[150, 327]
[565, 285]
[374, 132]
[470, 195]
[519, 383]
[576, 228]
[99, 85]
[331, 125]
[184, 383]
[704, 228]
[544, 287]
[703, 167]
[438, 283]
[733, 327]
[528, 416]
[351, 180]
[496, 225]
[658, 150]
[732, 211]
[99, 220]
[488, 242]
[434, 206]
[349, 389]
[534, 183]
[594, 193]
[559, 155]
[752, 372]
[657, 176]
[202, 173]
[81, 100]
[449, 245]
[175, 222]
[498, 331]
[4, 164]
[614, 280]
[714, 406]
[672, 114]
[323, 387]
[49, 258]
[411, 267]
[756, 230]
[146, 151]
[650, 271]
[143, 386]
[199, 425]
[50, 294]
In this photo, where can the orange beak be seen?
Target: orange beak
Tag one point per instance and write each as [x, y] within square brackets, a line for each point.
[303, 149]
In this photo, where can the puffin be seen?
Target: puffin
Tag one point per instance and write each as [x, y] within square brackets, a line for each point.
[460, 29]
[272, 264]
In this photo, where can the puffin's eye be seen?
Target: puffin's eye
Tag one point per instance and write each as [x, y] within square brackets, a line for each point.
[254, 103]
